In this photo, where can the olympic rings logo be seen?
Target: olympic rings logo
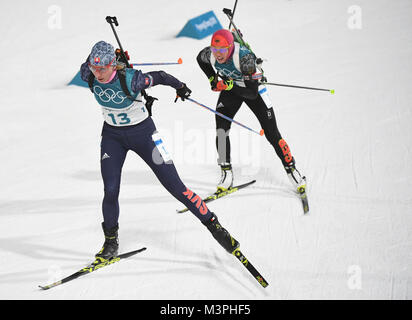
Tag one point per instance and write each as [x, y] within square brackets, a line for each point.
[108, 95]
[231, 74]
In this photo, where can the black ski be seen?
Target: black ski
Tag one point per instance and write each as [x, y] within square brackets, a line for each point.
[97, 264]
[239, 255]
[220, 194]
[304, 198]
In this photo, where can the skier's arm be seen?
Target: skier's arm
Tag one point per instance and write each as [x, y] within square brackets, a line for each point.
[248, 67]
[85, 71]
[141, 81]
[203, 59]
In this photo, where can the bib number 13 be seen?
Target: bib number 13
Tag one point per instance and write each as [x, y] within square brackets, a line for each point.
[120, 118]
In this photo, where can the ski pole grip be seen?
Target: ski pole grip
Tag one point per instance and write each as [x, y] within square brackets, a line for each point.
[227, 11]
[112, 20]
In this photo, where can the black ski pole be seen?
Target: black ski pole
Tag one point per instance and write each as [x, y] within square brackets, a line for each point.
[229, 14]
[149, 99]
[111, 21]
[332, 91]
[259, 61]
[233, 13]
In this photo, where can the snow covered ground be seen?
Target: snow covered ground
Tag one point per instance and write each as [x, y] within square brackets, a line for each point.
[354, 147]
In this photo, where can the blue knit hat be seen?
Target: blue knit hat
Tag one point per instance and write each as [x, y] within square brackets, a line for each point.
[102, 55]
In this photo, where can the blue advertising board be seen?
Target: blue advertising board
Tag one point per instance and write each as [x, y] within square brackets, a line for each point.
[201, 26]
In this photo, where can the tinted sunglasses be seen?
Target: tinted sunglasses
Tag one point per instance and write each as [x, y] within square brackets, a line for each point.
[221, 50]
[101, 68]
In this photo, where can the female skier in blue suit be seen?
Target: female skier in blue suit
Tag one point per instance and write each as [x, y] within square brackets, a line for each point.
[128, 126]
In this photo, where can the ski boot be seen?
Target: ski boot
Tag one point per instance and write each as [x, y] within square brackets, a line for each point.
[297, 180]
[226, 179]
[111, 244]
[222, 236]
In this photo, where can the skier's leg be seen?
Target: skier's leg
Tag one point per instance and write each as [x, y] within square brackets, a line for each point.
[152, 150]
[227, 104]
[149, 145]
[112, 156]
[267, 120]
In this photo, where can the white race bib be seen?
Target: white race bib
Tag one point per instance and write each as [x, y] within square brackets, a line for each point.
[128, 116]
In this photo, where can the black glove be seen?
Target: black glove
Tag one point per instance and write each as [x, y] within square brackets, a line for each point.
[149, 103]
[122, 58]
[213, 82]
[183, 93]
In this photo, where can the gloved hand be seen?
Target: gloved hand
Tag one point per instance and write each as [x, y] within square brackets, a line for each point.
[223, 85]
[120, 57]
[149, 103]
[183, 93]
[213, 82]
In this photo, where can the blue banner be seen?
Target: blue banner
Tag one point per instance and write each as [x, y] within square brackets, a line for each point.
[77, 81]
[201, 26]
